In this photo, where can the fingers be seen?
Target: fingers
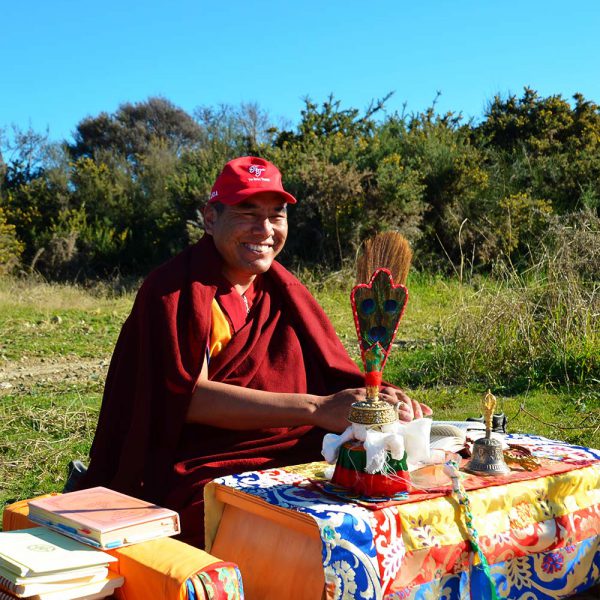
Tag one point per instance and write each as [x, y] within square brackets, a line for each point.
[427, 412]
[392, 395]
[389, 395]
[408, 409]
[417, 412]
[405, 411]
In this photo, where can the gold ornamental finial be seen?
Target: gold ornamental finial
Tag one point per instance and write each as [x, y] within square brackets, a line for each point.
[488, 405]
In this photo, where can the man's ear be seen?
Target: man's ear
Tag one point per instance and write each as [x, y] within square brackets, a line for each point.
[210, 216]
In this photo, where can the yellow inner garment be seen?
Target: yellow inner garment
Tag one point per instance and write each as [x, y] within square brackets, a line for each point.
[220, 331]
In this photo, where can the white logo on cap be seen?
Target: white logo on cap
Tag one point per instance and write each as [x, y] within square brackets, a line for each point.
[256, 170]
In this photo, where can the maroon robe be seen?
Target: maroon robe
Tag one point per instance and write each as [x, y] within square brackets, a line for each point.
[143, 445]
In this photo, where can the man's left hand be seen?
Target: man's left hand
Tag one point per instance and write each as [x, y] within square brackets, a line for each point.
[408, 409]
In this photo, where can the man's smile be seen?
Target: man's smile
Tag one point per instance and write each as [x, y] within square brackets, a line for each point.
[258, 248]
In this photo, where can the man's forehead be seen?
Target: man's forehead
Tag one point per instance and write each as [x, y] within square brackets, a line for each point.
[264, 201]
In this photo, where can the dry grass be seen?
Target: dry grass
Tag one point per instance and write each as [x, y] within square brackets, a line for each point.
[36, 293]
[540, 326]
[40, 436]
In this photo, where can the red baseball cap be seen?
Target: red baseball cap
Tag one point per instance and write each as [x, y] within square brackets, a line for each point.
[245, 176]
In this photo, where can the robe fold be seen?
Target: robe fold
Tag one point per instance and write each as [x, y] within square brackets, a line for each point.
[143, 445]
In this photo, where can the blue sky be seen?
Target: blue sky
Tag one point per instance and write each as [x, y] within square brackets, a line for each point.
[63, 60]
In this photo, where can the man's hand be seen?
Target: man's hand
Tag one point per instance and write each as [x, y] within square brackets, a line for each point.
[408, 409]
[331, 412]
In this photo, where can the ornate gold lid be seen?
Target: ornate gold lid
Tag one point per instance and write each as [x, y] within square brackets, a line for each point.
[372, 412]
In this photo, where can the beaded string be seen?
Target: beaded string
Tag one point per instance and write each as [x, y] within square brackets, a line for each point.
[246, 303]
[451, 469]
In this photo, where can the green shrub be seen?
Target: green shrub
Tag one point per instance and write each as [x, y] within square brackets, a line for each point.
[10, 246]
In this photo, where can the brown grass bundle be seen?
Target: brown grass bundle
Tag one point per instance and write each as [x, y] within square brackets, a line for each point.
[390, 250]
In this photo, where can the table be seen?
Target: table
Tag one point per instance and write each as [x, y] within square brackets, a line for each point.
[541, 535]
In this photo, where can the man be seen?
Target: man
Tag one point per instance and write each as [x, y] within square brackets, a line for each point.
[226, 363]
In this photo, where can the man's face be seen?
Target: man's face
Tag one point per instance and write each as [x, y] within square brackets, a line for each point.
[248, 235]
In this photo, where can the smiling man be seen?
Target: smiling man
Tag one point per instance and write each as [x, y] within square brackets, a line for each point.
[226, 363]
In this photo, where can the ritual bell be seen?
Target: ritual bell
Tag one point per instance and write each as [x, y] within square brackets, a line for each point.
[487, 457]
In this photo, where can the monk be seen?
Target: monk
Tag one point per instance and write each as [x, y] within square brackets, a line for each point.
[226, 363]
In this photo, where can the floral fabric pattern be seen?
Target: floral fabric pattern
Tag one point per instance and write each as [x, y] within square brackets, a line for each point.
[543, 576]
[532, 532]
[219, 583]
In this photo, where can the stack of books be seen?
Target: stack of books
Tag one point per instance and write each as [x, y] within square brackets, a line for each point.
[41, 564]
[63, 560]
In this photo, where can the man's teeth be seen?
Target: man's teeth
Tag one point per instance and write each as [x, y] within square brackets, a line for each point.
[257, 247]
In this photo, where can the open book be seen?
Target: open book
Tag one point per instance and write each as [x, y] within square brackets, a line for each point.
[455, 436]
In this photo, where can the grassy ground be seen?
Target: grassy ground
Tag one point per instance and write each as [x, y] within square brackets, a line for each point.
[55, 345]
[56, 341]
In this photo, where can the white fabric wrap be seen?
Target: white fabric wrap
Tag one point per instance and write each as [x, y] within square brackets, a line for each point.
[332, 443]
[395, 438]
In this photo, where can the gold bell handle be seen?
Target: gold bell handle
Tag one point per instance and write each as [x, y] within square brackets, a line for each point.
[487, 408]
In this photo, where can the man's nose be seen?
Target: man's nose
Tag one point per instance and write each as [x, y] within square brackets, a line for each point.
[263, 226]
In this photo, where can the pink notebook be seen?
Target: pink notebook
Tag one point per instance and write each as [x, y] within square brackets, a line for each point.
[104, 518]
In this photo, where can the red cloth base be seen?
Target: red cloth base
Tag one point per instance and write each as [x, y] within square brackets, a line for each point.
[350, 472]
[376, 485]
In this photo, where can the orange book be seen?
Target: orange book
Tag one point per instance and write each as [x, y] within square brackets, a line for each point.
[104, 518]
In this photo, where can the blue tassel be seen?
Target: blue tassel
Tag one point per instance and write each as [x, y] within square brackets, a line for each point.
[482, 584]
[481, 581]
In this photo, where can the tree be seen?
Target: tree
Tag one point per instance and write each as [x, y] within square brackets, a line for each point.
[25, 153]
[10, 246]
[321, 166]
[329, 131]
[132, 129]
[544, 147]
